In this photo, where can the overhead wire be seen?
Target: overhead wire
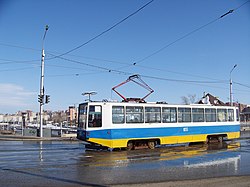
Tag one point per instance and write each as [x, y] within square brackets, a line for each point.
[88, 41]
[105, 69]
[94, 66]
[187, 34]
[247, 86]
[17, 69]
[135, 63]
[8, 61]
[107, 30]
[92, 58]
[108, 70]
[181, 80]
[175, 72]
[130, 73]
[17, 46]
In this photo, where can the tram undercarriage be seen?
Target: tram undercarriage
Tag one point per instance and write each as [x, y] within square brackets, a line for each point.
[153, 143]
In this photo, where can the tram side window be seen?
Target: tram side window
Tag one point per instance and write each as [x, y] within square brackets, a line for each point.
[134, 114]
[184, 114]
[210, 114]
[152, 114]
[169, 115]
[230, 114]
[198, 114]
[118, 114]
[221, 115]
[95, 116]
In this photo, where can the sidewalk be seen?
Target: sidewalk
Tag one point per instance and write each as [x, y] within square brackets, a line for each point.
[72, 137]
[34, 138]
[239, 181]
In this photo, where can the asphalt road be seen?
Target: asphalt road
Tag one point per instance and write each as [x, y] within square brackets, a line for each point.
[68, 163]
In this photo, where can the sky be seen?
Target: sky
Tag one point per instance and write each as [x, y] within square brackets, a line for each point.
[179, 48]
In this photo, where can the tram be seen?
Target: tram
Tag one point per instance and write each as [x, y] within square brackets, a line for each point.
[132, 124]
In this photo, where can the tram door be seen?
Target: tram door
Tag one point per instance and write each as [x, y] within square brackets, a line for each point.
[95, 116]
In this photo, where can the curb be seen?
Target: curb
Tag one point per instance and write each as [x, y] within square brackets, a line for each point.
[33, 138]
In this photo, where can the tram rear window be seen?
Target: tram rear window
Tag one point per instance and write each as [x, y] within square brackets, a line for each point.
[95, 116]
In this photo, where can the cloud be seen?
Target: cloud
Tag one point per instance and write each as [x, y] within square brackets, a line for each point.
[15, 96]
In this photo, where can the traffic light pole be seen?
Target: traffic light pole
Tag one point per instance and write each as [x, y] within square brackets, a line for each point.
[42, 94]
[41, 97]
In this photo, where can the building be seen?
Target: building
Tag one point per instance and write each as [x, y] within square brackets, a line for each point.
[210, 99]
[243, 109]
[245, 114]
[72, 115]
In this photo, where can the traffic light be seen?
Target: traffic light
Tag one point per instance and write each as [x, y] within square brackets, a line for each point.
[47, 99]
[40, 98]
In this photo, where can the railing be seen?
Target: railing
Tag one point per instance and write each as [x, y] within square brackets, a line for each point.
[244, 123]
[245, 126]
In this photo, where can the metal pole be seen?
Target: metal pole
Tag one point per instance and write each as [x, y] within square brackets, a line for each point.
[231, 86]
[42, 84]
[231, 95]
[22, 127]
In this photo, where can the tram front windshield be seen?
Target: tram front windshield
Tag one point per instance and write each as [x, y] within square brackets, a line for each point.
[89, 116]
[83, 108]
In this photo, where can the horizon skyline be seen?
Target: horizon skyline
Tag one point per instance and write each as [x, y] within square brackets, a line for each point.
[178, 48]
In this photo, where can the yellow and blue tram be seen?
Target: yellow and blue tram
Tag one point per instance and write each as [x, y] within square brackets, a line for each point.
[130, 124]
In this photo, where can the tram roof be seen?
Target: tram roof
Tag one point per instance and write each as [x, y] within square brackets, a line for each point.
[157, 103]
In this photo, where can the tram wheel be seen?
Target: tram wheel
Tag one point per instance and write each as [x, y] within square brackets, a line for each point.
[207, 140]
[220, 139]
[130, 145]
[151, 144]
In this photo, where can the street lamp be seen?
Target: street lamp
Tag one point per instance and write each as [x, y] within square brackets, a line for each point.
[231, 85]
[89, 94]
[41, 96]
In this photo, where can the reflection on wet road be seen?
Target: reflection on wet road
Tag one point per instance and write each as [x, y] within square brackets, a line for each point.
[68, 163]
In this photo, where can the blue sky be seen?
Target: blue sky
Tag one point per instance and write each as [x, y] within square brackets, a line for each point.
[204, 55]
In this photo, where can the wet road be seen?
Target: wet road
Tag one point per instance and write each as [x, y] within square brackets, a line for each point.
[35, 163]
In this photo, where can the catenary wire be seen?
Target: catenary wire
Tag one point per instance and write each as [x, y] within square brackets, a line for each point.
[135, 63]
[195, 31]
[105, 31]
[188, 34]
[247, 86]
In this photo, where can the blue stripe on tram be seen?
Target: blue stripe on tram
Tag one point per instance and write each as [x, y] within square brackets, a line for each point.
[161, 132]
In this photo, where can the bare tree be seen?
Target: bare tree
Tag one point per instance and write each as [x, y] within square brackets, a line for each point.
[185, 100]
[190, 99]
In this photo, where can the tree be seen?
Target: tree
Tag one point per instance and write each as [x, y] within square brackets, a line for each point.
[190, 99]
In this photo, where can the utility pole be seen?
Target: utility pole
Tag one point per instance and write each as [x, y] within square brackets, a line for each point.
[231, 86]
[41, 96]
